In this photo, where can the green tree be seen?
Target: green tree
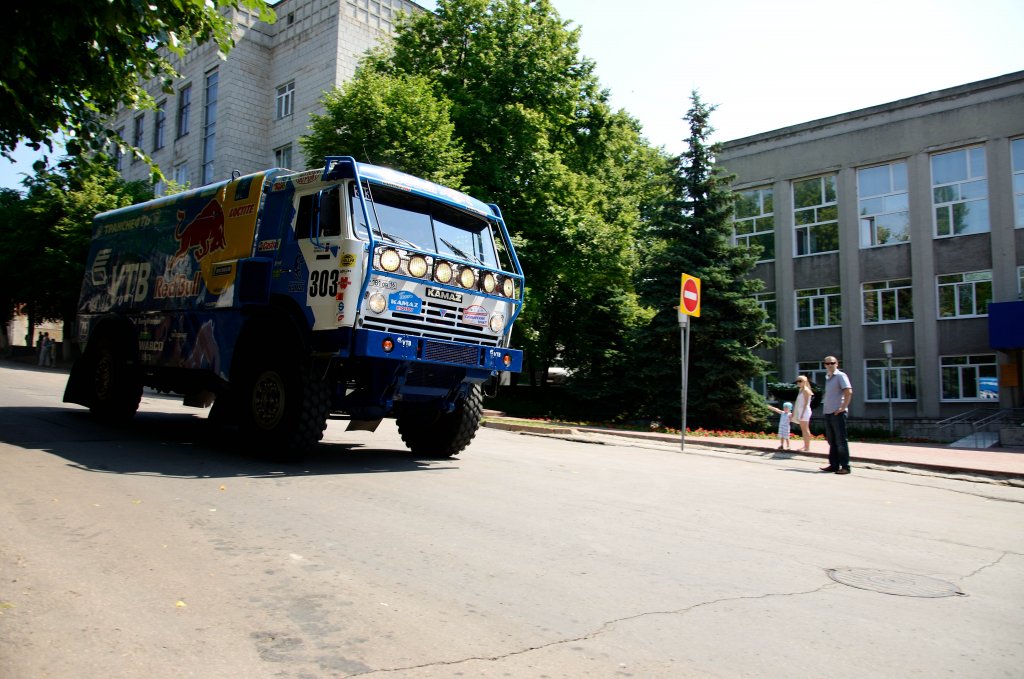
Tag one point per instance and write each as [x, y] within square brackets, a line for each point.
[392, 120]
[694, 236]
[545, 146]
[45, 234]
[71, 63]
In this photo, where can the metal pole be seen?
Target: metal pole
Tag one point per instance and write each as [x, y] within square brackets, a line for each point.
[684, 346]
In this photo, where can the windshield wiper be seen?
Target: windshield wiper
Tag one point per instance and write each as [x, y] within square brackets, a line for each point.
[398, 239]
[460, 253]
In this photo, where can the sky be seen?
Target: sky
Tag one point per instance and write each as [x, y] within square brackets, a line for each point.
[767, 65]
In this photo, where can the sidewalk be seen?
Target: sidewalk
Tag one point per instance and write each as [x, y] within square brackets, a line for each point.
[997, 464]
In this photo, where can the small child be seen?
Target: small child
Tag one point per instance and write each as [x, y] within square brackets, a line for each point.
[785, 415]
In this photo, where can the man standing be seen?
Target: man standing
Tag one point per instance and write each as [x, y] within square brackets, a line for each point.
[836, 403]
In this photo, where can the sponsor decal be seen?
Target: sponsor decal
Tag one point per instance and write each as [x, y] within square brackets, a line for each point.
[446, 295]
[347, 260]
[242, 211]
[404, 302]
[309, 177]
[203, 234]
[386, 284]
[474, 315]
[222, 270]
[268, 245]
[179, 286]
[151, 346]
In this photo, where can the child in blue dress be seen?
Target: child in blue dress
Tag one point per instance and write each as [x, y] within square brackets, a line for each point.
[785, 415]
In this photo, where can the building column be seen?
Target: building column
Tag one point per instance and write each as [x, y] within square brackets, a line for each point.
[922, 265]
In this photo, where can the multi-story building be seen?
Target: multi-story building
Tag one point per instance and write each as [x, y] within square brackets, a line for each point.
[247, 112]
[901, 222]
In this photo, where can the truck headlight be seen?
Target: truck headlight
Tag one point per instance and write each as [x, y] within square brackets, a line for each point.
[417, 266]
[467, 277]
[497, 322]
[443, 272]
[508, 288]
[390, 260]
[377, 303]
[488, 283]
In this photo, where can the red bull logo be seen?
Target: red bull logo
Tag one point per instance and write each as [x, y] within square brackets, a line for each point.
[204, 234]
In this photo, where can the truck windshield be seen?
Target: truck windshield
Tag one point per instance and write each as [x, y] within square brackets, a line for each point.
[416, 222]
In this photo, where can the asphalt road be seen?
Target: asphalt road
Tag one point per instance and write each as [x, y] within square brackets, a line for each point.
[155, 552]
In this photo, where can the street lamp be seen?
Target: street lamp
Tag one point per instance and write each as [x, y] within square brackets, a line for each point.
[887, 345]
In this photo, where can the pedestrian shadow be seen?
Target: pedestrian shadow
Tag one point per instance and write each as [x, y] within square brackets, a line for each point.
[181, 445]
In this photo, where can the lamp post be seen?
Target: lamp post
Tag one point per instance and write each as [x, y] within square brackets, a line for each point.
[887, 346]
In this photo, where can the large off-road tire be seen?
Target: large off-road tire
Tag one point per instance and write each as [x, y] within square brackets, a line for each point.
[114, 386]
[438, 435]
[281, 406]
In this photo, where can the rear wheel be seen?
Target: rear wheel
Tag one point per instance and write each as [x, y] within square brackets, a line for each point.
[115, 385]
[282, 406]
[438, 435]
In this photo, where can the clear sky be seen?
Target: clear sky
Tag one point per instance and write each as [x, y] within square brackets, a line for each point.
[767, 65]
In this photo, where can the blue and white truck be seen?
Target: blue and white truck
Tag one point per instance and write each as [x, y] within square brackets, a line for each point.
[282, 297]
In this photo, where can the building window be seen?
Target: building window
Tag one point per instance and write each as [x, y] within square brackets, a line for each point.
[116, 150]
[754, 221]
[760, 384]
[814, 371]
[766, 300]
[818, 308]
[898, 382]
[181, 176]
[815, 215]
[137, 134]
[184, 109]
[283, 156]
[285, 100]
[960, 192]
[887, 301]
[209, 126]
[1017, 150]
[882, 205]
[964, 295]
[969, 378]
[159, 125]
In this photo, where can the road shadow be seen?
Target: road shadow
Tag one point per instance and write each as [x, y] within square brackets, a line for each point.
[181, 445]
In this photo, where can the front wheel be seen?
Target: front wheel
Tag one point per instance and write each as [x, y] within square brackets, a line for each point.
[438, 435]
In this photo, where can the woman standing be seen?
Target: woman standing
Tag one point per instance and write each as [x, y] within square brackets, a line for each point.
[802, 410]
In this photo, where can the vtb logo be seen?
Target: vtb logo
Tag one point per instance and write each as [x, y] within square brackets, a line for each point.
[204, 234]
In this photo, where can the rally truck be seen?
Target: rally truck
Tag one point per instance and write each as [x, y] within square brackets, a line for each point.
[284, 298]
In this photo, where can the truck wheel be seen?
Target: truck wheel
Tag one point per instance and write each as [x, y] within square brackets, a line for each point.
[440, 435]
[116, 388]
[282, 407]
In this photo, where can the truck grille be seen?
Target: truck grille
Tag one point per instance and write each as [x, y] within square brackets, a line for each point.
[437, 320]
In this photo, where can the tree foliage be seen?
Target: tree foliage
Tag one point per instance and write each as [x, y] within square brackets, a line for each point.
[544, 144]
[46, 234]
[393, 120]
[71, 63]
[694, 236]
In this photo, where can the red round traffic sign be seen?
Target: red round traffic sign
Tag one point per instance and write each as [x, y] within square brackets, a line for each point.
[691, 295]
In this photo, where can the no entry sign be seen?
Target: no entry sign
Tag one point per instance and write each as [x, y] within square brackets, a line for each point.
[689, 295]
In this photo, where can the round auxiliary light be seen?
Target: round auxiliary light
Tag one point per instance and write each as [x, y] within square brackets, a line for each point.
[443, 272]
[390, 260]
[387, 345]
[497, 323]
[378, 303]
[508, 288]
[507, 360]
[489, 282]
[467, 277]
[417, 266]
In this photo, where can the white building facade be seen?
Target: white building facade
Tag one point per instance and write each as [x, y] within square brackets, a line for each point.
[246, 113]
[900, 222]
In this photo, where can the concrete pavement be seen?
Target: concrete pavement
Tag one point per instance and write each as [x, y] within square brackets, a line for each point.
[999, 465]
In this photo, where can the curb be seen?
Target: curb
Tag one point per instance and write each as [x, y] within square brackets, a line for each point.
[1007, 478]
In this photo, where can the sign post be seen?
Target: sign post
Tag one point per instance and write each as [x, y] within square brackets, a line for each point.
[689, 305]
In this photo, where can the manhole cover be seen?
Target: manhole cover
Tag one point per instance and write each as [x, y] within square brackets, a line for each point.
[897, 584]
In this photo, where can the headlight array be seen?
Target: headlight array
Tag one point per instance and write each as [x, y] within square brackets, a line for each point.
[428, 267]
